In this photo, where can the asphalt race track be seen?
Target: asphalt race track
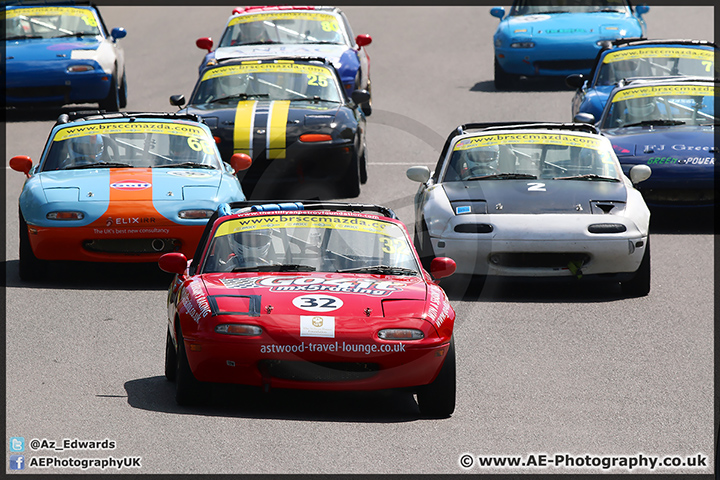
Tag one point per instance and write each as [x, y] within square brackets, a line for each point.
[542, 368]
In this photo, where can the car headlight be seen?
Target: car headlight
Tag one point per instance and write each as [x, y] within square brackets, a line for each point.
[607, 228]
[401, 334]
[80, 68]
[522, 45]
[65, 216]
[195, 214]
[238, 329]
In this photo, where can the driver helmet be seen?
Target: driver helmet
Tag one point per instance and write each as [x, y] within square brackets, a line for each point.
[625, 69]
[484, 155]
[641, 108]
[252, 246]
[230, 85]
[86, 150]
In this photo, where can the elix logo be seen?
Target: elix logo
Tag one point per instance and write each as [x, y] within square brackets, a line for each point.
[130, 185]
[129, 220]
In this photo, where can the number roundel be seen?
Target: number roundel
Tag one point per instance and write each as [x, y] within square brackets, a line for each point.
[317, 303]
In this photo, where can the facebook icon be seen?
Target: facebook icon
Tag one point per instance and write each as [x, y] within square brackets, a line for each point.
[17, 462]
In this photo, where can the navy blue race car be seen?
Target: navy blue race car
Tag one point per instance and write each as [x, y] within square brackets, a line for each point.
[292, 116]
[628, 58]
[669, 125]
[551, 38]
[285, 30]
[58, 53]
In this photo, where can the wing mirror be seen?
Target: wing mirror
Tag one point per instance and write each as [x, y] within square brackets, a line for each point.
[442, 267]
[640, 173]
[118, 32]
[576, 80]
[584, 118]
[498, 12]
[177, 100]
[204, 43]
[21, 163]
[363, 40]
[174, 262]
[240, 162]
[418, 174]
[360, 96]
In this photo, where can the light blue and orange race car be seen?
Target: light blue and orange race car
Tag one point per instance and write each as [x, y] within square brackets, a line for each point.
[122, 187]
[552, 38]
[61, 52]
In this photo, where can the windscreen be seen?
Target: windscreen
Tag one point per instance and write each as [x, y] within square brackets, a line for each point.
[131, 144]
[48, 22]
[531, 155]
[310, 242]
[270, 81]
[662, 105]
[283, 27]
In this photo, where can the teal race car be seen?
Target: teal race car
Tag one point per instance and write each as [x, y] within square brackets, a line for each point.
[550, 38]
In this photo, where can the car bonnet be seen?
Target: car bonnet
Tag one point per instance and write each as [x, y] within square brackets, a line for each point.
[134, 184]
[351, 294]
[534, 196]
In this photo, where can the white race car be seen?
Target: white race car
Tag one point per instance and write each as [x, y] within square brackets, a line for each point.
[534, 200]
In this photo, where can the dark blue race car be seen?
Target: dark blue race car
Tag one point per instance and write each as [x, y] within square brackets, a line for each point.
[628, 58]
[669, 125]
[59, 53]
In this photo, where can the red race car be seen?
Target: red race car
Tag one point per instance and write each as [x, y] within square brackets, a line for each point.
[321, 296]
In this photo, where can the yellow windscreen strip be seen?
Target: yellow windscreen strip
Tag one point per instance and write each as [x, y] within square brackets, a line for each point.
[242, 134]
[277, 129]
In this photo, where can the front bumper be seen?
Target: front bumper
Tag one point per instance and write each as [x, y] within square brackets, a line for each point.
[548, 60]
[340, 363]
[541, 246]
[55, 86]
[132, 244]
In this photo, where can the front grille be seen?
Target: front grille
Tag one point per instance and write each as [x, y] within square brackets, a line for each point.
[563, 65]
[34, 92]
[538, 260]
[688, 196]
[133, 245]
[318, 372]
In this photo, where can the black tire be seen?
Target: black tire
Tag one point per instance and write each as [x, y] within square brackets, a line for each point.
[188, 390]
[112, 101]
[503, 80]
[350, 185]
[30, 267]
[363, 167]
[639, 285]
[367, 106]
[170, 359]
[437, 400]
[423, 245]
[122, 95]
